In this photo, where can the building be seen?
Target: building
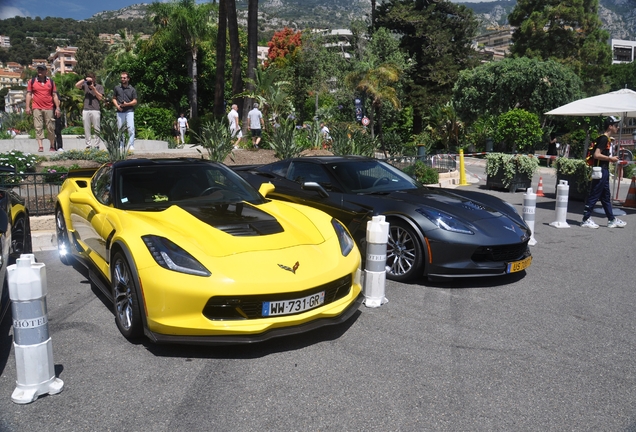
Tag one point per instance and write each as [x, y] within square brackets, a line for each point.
[15, 101]
[494, 45]
[63, 60]
[9, 78]
[5, 42]
[623, 51]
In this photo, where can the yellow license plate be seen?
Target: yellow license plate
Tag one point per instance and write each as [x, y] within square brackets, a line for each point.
[517, 266]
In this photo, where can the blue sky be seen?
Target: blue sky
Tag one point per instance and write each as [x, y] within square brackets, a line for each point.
[76, 9]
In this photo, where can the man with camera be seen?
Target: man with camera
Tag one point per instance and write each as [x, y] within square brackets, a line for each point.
[91, 115]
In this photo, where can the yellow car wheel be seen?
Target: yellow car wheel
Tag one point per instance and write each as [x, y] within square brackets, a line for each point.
[125, 299]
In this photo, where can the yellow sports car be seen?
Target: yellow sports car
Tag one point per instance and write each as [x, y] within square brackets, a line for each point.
[190, 253]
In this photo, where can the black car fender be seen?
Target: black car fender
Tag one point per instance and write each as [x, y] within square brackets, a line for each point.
[416, 228]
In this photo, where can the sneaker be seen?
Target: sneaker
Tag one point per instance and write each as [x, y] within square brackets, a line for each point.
[616, 223]
[88, 146]
[131, 148]
[60, 149]
[589, 223]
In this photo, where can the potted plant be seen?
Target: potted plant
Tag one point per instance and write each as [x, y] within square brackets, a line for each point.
[578, 175]
[510, 172]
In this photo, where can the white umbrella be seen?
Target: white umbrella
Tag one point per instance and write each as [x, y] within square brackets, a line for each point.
[619, 103]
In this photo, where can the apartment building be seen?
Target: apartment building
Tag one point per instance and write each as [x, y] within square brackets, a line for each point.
[623, 51]
[63, 60]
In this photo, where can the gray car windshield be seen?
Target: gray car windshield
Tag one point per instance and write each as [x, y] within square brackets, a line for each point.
[372, 177]
[159, 187]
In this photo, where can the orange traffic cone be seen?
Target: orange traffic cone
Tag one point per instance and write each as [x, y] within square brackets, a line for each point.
[540, 187]
[630, 201]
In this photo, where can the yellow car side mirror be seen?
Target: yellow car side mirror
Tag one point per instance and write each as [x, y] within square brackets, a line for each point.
[266, 188]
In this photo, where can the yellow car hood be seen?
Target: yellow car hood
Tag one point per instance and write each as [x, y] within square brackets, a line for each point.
[225, 230]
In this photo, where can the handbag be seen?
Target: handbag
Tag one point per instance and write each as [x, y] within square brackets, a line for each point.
[597, 174]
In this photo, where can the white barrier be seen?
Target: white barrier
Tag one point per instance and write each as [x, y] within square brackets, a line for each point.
[561, 207]
[32, 343]
[529, 210]
[375, 268]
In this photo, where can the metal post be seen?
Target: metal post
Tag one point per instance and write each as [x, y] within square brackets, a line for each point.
[561, 207]
[32, 343]
[375, 268]
[529, 209]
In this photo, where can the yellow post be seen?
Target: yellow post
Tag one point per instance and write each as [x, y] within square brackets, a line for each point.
[462, 172]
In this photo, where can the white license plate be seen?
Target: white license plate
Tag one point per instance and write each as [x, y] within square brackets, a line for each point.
[287, 307]
[517, 266]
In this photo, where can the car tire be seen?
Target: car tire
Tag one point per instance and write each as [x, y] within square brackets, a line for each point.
[125, 298]
[404, 256]
[20, 239]
[63, 243]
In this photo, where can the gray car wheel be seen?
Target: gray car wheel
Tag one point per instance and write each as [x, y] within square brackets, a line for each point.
[404, 254]
[125, 300]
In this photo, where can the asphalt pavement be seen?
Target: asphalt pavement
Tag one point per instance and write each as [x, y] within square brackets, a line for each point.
[548, 349]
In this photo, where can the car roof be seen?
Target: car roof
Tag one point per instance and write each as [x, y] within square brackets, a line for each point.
[332, 158]
[162, 161]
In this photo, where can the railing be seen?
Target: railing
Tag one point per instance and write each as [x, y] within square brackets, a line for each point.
[38, 190]
[441, 162]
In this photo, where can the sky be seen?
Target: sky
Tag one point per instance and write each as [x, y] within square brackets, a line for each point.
[76, 9]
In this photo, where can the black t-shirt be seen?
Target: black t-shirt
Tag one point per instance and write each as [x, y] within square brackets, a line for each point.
[603, 143]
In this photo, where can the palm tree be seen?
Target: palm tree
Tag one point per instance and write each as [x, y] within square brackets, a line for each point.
[376, 83]
[252, 47]
[221, 45]
[235, 52]
[188, 23]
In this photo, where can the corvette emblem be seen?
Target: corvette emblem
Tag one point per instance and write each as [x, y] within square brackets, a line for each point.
[510, 228]
[291, 269]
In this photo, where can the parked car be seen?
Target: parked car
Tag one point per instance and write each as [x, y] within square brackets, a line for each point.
[190, 253]
[15, 234]
[433, 232]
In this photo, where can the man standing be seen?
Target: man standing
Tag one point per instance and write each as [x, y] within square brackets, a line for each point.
[91, 116]
[599, 188]
[255, 124]
[183, 126]
[42, 100]
[235, 128]
[125, 99]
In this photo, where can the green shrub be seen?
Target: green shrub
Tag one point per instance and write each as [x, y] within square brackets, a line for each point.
[160, 120]
[629, 171]
[422, 173]
[215, 137]
[73, 130]
[96, 155]
[283, 140]
[56, 174]
[509, 165]
[519, 129]
[22, 162]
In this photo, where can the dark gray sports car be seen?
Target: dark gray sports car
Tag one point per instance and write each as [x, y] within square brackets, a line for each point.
[15, 236]
[433, 232]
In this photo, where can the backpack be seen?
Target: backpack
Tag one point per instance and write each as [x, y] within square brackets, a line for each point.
[589, 156]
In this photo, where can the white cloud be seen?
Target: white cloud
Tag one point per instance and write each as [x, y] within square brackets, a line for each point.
[10, 12]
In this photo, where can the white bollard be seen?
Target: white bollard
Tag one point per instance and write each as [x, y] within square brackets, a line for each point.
[529, 209]
[32, 343]
[375, 268]
[561, 207]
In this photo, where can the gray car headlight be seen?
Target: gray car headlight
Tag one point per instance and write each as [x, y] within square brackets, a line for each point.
[346, 242]
[445, 221]
[172, 257]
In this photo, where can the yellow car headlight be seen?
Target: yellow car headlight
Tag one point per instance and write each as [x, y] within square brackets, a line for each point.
[172, 257]
[346, 242]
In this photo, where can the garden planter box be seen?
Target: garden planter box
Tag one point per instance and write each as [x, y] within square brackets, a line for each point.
[519, 181]
[575, 192]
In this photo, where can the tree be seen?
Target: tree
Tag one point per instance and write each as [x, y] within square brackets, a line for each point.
[568, 32]
[252, 48]
[437, 35]
[518, 130]
[283, 47]
[235, 52]
[90, 54]
[496, 87]
[186, 23]
[622, 75]
[221, 47]
[377, 84]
